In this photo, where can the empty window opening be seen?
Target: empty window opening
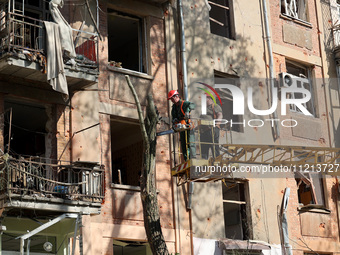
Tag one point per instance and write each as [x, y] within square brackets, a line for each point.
[296, 9]
[299, 76]
[126, 43]
[125, 247]
[227, 102]
[127, 152]
[221, 18]
[40, 8]
[236, 221]
[28, 129]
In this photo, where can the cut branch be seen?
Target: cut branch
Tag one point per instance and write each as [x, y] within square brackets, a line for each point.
[152, 222]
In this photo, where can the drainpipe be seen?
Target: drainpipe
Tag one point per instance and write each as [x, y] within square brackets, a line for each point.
[190, 193]
[284, 223]
[271, 63]
[323, 64]
[185, 81]
[185, 87]
[182, 48]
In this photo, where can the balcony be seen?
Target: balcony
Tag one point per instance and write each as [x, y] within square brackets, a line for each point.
[32, 184]
[336, 42]
[23, 54]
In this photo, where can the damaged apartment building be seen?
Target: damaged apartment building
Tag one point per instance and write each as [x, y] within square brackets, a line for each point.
[71, 147]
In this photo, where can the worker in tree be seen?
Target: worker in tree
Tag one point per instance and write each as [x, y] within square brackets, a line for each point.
[211, 135]
[180, 113]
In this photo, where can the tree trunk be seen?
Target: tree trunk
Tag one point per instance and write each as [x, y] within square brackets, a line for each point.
[152, 222]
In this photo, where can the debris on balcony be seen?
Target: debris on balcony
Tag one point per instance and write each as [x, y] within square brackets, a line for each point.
[23, 43]
[34, 177]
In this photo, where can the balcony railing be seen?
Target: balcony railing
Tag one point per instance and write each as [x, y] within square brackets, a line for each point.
[24, 34]
[81, 181]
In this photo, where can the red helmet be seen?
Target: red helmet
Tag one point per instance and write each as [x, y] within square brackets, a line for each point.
[172, 93]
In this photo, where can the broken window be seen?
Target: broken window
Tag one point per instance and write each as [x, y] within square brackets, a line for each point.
[221, 18]
[125, 247]
[299, 76]
[126, 41]
[310, 181]
[127, 152]
[310, 188]
[227, 102]
[236, 216]
[296, 9]
[22, 135]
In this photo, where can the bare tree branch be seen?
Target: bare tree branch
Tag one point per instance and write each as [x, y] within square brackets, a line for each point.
[152, 222]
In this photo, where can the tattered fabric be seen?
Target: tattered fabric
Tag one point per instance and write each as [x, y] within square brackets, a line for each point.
[55, 65]
[65, 28]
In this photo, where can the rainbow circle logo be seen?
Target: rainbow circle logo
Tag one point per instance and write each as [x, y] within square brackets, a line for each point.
[209, 93]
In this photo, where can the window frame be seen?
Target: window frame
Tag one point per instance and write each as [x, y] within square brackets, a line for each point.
[226, 95]
[302, 80]
[294, 12]
[227, 19]
[143, 47]
[307, 177]
[245, 215]
[121, 170]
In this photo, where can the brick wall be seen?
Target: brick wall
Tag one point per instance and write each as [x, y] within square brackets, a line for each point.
[305, 243]
[159, 90]
[63, 132]
[313, 241]
[320, 105]
[277, 22]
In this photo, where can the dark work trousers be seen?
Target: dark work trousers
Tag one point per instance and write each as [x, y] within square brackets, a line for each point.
[188, 144]
[207, 137]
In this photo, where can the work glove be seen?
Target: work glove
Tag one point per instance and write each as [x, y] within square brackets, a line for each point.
[187, 116]
[174, 121]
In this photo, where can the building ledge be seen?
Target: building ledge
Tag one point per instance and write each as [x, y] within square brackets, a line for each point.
[130, 72]
[246, 245]
[51, 204]
[314, 209]
[125, 187]
[17, 65]
[298, 21]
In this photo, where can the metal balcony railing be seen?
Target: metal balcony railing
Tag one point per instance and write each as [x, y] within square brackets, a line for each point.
[33, 177]
[23, 34]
